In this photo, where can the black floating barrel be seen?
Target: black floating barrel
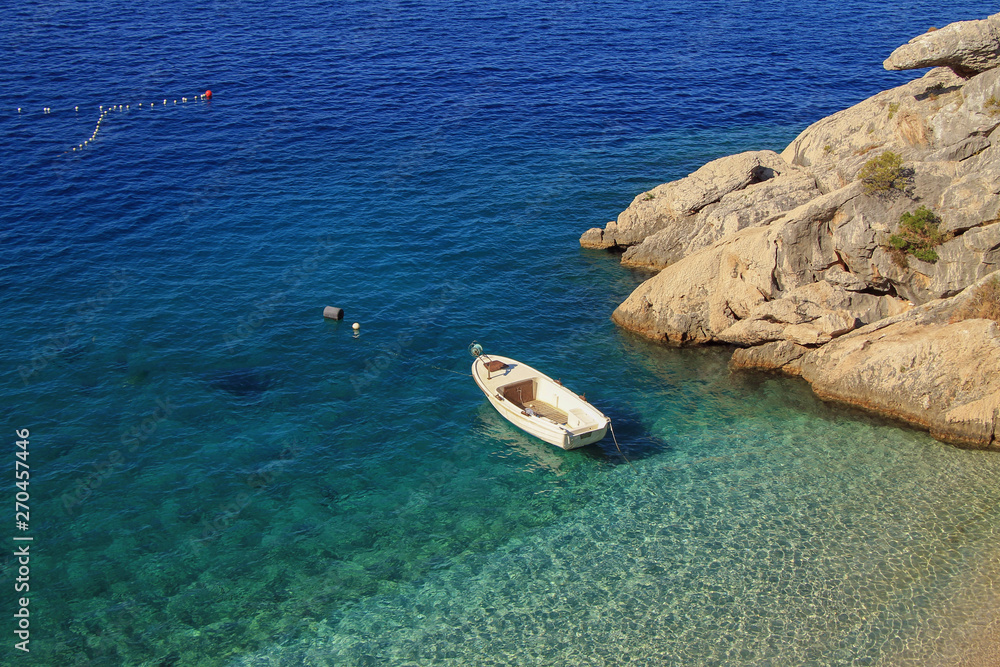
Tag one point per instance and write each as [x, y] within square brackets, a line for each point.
[333, 313]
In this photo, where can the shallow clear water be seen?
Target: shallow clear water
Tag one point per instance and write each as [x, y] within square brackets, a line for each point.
[218, 475]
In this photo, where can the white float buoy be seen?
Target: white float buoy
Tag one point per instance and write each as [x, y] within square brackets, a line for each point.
[355, 326]
[333, 313]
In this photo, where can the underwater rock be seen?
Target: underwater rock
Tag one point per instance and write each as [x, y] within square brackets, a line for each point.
[243, 383]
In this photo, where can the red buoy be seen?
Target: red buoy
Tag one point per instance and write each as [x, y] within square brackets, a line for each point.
[208, 94]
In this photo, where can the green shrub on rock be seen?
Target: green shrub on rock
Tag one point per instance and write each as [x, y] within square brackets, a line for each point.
[883, 173]
[918, 234]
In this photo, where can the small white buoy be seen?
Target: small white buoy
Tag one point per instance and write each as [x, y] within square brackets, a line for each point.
[355, 326]
[76, 108]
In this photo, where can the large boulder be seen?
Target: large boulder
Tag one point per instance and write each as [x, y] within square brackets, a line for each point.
[922, 367]
[812, 314]
[691, 301]
[780, 356]
[902, 119]
[755, 204]
[807, 276]
[695, 299]
[677, 203]
[959, 123]
[967, 47]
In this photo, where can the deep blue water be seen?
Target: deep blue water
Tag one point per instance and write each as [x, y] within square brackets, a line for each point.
[220, 476]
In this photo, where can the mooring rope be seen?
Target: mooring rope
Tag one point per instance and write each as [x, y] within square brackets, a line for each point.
[448, 370]
[620, 449]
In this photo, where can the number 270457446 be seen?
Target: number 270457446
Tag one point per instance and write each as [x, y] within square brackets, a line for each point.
[22, 475]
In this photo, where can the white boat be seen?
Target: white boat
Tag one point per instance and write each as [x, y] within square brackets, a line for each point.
[536, 403]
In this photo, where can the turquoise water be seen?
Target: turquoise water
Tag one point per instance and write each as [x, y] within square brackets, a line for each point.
[221, 476]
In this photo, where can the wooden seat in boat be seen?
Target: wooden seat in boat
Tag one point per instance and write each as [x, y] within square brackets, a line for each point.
[545, 410]
[494, 366]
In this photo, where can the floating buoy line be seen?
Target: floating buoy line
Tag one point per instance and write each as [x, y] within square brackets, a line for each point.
[105, 111]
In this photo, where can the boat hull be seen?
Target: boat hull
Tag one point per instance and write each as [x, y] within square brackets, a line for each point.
[537, 404]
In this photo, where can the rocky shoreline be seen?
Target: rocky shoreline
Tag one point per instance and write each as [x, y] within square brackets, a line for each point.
[865, 257]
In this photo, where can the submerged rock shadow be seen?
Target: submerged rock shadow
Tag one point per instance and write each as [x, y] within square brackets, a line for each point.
[245, 384]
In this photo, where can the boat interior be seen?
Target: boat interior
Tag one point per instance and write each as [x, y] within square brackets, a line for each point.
[522, 394]
[519, 393]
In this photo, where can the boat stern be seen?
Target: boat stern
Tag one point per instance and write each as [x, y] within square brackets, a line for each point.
[572, 439]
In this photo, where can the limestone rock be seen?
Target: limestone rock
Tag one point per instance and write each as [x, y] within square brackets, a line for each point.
[753, 205]
[957, 113]
[845, 280]
[920, 367]
[968, 47]
[964, 260]
[790, 256]
[679, 201]
[901, 119]
[742, 289]
[811, 315]
[691, 301]
[695, 299]
[775, 356]
[961, 262]
[970, 200]
[594, 238]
